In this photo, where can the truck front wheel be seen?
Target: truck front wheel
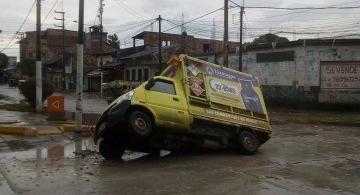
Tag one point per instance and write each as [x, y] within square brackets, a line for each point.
[140, 123]
[248, 142]
[111, 148]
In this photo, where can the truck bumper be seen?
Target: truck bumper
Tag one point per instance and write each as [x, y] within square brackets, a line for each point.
[110, 118]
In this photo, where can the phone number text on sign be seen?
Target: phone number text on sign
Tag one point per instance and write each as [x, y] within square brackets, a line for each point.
[218, 86]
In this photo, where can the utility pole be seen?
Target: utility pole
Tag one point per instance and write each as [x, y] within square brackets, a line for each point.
[38, 58]
[213, 36]
[241, 38]
[62, 19]
[213, 31]
[79, 68]
[101, 11]
[160, 45]
[183, 30]
[226, 33]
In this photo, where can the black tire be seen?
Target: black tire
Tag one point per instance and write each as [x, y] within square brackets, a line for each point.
[249, 144]
[111, 148]
[140, 124]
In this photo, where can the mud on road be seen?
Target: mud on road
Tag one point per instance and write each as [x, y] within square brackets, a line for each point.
[299, 159]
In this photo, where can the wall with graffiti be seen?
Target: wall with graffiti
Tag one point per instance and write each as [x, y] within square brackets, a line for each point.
[298, 80]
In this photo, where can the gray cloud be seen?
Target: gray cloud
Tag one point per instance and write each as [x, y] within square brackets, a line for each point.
[124, 17]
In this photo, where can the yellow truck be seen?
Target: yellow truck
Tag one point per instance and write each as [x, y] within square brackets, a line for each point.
[192, 103]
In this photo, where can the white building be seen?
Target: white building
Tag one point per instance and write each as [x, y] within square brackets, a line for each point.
[305, 71]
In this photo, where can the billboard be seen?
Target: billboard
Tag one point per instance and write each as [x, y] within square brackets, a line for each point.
[224, 86]
[340, 75]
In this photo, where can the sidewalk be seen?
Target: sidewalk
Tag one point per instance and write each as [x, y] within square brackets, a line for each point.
[9, 95]
[34, 124]
[336, 118]
[23, 122]
[92, 103]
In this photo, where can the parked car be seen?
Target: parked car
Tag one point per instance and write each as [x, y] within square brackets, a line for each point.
[193, 103]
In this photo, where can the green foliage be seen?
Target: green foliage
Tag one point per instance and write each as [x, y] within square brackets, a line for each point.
[3, 61]
[28, 90]
[28, 67]
[113, 41]
[268, 38]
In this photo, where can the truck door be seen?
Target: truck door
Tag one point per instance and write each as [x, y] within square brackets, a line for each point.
[168, 105]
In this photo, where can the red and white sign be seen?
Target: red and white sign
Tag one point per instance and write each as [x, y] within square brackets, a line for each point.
[55, 104]
[340, 75]
[196, 88]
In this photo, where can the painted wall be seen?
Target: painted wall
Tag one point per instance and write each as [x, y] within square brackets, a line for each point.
[298, 81]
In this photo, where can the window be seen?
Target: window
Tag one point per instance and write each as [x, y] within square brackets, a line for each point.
[164, 87]
[140, 76]
[133, 75]
[206, 48]
[146, 74]
[164, 43]
[127, 75]
[275, 56]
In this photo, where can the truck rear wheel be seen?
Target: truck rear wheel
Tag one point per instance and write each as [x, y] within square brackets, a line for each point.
[248, 142]
[140, 124]
[111, 148]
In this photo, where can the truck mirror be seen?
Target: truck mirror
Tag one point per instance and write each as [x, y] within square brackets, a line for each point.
[150, 84]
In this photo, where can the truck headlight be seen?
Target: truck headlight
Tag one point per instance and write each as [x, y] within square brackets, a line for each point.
[129, 95]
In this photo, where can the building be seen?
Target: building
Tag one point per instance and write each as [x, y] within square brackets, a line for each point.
[191, 44]
[55, 69]
[140, 63]
[52, 53]
[305, 71]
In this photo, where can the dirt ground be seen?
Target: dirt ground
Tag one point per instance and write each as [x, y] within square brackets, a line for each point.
[298, 159]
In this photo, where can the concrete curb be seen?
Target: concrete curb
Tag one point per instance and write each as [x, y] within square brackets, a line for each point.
[316, 122]
[31, 131]
[16, 130]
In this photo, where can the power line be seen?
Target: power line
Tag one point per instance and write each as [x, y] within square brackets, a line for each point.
[273, 16]
[52, 8]
[303, 8]
[194, 19]
[22, 24]
[130, 10]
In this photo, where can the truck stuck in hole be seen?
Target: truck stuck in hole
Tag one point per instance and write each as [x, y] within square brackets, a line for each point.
[192, 103]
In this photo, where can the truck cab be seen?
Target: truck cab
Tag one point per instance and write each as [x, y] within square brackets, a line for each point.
[193, 103]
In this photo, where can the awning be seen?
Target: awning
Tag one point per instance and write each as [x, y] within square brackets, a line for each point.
[96, 73]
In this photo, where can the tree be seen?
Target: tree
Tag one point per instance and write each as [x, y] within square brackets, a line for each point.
[4, 60]
[268, 38]
[28, 67]
[113, 41]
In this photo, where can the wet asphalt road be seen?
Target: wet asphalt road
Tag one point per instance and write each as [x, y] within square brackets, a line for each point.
[299, 159]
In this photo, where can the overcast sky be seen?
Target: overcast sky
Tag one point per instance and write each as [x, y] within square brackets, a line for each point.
[129, 17]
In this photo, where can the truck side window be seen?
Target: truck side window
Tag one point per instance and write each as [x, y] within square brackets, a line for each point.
[164, 87]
